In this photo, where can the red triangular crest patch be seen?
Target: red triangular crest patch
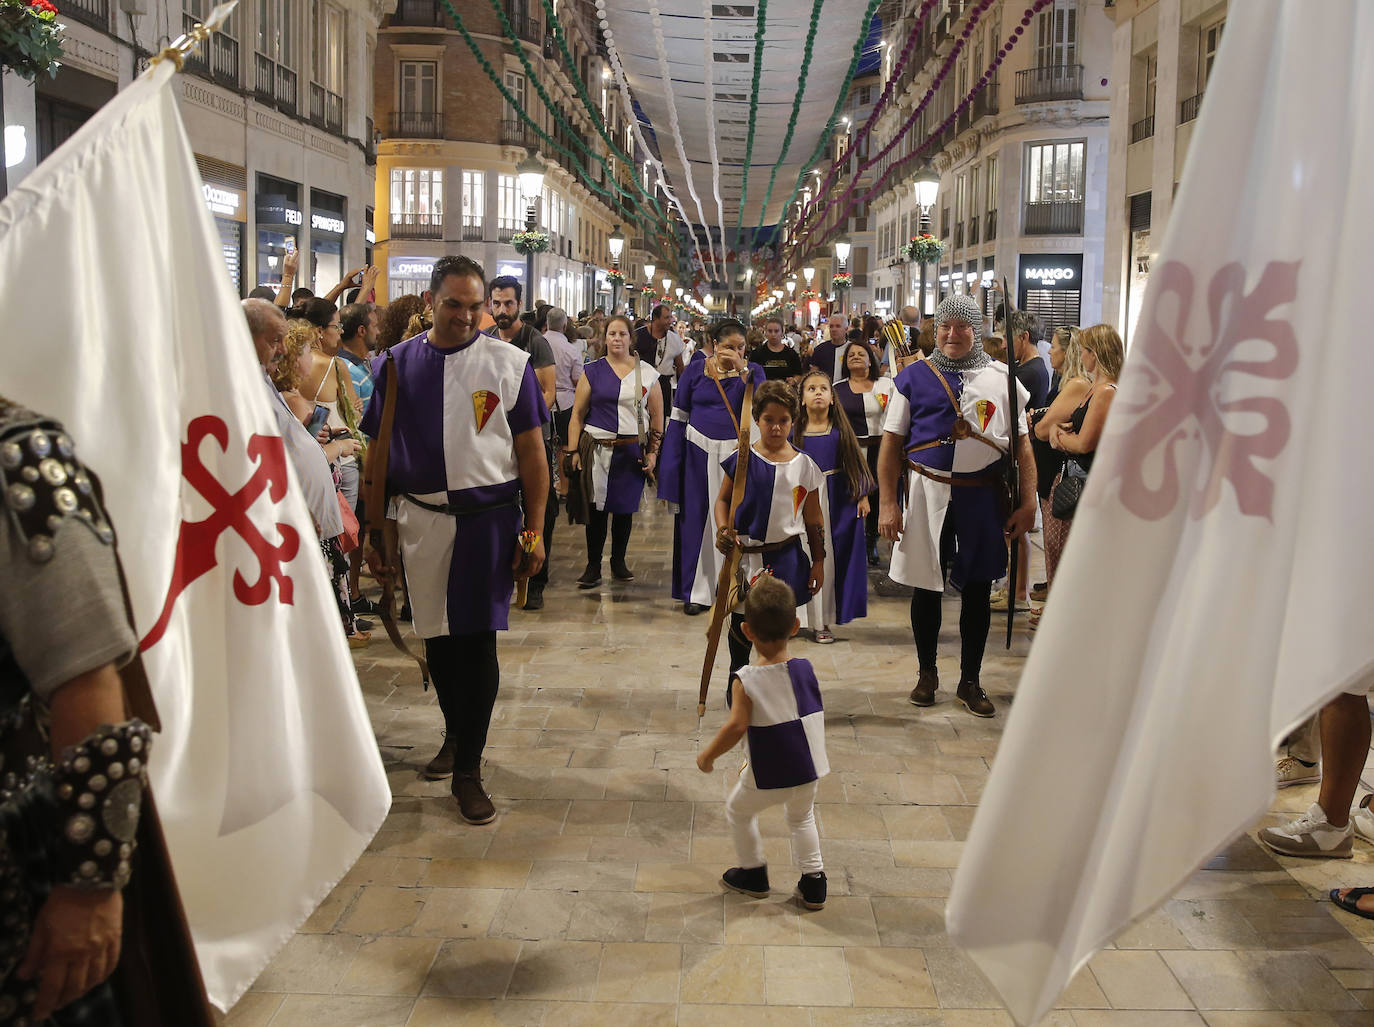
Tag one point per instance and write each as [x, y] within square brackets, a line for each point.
[798, 498]
[882, 400]
[484, 404]
[985, 408]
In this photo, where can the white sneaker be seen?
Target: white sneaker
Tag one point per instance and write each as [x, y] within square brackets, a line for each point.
[1289, 770]
[1309, 835]
[1362, 820]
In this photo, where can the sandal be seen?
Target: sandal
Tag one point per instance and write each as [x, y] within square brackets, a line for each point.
[824, 637]
[1352, 897]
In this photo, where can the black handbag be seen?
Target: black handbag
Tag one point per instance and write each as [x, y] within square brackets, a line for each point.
[1068, 490]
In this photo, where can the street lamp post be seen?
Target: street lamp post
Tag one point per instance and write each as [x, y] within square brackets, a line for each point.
[529, 174]
[649, 270]
[927, 184]
[843, 247]
[616, 242]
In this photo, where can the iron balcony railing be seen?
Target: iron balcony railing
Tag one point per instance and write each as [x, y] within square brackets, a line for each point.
[959, 235]
[224, 59]
[472, 229]
[1052, 82]
[420, 13]
[1143, 129]
[286, 90]
[333, 112]
[95, 13]
[973, 231]
[417, 226]
[1189, 108]
[515, 132]
[417, 124]
[317, 104]
[264, 77]
[370, 144]
[985, 103]
[1054, 217]
[990, 229]
[526, 28]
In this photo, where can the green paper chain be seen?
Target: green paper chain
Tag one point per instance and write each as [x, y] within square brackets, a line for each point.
[796, 109]
[509, 29]
[592, 186]
[839, 101]
[760, 25]
[594, 114]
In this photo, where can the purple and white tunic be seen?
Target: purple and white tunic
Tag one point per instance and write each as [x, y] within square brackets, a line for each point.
[772, 512]
[844, 594]
[786, 736]
[700, 434]
[458, 412]
[866, 410]
[921, 413]
[613, 412]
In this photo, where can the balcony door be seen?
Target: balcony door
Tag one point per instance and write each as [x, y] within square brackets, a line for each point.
[1056, 44]
[419, 98]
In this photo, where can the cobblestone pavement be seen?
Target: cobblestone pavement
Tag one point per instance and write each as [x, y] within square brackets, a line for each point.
[594, 898]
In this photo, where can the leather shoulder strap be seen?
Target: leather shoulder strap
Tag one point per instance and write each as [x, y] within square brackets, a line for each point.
[743, 448]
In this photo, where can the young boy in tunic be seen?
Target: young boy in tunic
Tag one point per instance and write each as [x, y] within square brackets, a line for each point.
[776, 706]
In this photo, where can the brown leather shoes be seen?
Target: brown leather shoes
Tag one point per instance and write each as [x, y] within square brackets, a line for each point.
[973, 697]
[442, 765]
[924, 692]
[473, 802]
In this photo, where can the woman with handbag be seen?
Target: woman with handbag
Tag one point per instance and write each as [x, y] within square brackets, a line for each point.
[613, 439]
[1068, 389]
[1077, 438]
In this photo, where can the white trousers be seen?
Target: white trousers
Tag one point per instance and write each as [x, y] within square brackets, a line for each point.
[742, 811]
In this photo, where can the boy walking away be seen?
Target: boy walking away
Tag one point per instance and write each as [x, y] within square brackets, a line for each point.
[776, 705]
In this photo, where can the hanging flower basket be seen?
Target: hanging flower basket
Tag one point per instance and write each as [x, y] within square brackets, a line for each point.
[530, 242]
[809, 296]
[614, 275]
[843, 280]
[30, 37]
[925, 249]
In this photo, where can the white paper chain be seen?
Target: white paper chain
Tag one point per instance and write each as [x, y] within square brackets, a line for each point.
[707, 64]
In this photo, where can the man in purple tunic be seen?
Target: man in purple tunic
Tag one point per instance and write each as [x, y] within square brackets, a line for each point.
[466, 462]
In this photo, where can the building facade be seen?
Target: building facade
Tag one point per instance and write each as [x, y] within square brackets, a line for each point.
[1022, 169]
[1162, 56]
[277, 107]
[451, 142]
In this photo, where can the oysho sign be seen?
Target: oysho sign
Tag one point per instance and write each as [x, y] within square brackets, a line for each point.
[1062, 271]
[410, 267]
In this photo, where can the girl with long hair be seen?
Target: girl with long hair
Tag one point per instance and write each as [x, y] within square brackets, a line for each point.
[823, 432]
[863, 395]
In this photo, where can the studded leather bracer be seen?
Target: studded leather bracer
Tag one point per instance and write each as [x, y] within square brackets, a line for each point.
[815, 540]
[42, 483]
[99, 786]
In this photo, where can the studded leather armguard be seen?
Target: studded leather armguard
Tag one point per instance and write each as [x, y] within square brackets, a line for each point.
[99, 786]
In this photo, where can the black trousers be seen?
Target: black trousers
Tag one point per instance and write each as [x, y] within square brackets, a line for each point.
[466, 676]
[871, 521]
[975, 618]
[541, 576]
[621, 525]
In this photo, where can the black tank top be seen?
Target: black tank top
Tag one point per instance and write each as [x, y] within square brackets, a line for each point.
[1076, 419]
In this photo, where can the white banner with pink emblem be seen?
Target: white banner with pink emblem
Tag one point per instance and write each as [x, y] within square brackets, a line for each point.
[121, 321]
[1215, 588]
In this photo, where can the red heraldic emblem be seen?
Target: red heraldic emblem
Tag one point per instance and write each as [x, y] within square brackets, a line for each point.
[484, 404]
[984, 408]
[798, 498]
[196, 540]
[882, 400]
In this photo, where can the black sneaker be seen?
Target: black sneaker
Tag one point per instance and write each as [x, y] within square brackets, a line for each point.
[971, 694]
[591, 577]
[405, 613]
[442, 765]
[359, 624]
[752, 881]
[620, 572]
[534, 597]
[363, 605]
[693, 609]
[811, 890]
[890, 589]
[924, 692]
[873, 560]
[473, 802]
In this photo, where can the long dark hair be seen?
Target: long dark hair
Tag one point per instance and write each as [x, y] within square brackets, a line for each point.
[852, 461]
[873, 366]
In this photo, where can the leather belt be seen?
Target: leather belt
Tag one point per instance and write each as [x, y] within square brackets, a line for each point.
[623, 440]
[466, 511]
[986, 481]
[770, 547]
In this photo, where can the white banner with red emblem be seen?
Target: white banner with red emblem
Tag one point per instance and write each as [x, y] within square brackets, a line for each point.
[121, 322]
[1215, 587]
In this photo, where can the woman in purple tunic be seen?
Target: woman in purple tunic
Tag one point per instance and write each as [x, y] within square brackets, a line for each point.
[616, 405]
[864, 396]
[823, 433]
[702, 432]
